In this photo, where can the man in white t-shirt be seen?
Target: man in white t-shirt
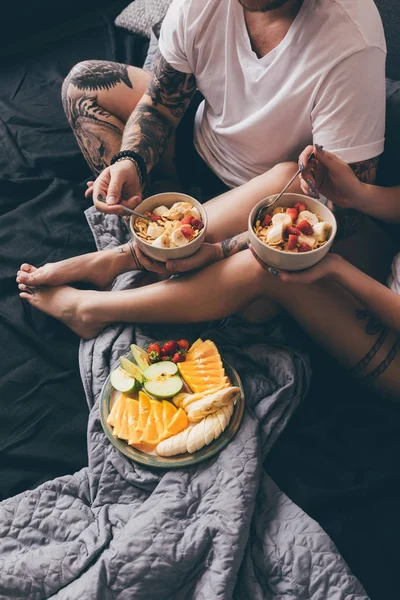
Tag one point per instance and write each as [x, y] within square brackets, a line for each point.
[275, 75]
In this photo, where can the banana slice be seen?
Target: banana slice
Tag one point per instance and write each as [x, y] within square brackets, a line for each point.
[194, 212]
[177, 444]
[162, 241]
[178, 238]
[160, 211]
[282, 219]
[155, 231]
[275, 233]
[306, 215]
[307, 239]
[201, 408]
[322, 231]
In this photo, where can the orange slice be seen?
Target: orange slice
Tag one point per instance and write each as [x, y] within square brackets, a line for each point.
[133, 416]
[119, 412]
[203, 368]
[114, 411]
[123, 432]
[169, 411]
[144, 411]
[195, 345]
[150, 435]
[157, 412]
[178, 424]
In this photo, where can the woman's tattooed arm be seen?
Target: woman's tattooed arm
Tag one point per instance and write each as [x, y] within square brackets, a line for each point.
[150, 125]
[235, 244]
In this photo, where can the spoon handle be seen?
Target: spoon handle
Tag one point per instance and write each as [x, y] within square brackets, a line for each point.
[130, 211]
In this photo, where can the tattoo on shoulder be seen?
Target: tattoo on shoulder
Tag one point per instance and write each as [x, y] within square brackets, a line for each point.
[235, 244]
[99, 75]
[366, 169]
[171, 88]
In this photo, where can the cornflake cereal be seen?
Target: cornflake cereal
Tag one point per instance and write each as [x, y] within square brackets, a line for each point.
[293, 229]
[170, 227]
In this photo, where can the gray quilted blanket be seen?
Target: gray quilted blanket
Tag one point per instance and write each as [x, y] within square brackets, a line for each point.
[216, 531]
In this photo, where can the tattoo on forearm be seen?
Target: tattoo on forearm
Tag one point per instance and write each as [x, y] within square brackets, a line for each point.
[235, 244]
[96, 135]
[147, 132]
[99, 75]
[366, 169]
[171, 89]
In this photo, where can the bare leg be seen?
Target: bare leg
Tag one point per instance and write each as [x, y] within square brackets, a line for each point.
[325, 311]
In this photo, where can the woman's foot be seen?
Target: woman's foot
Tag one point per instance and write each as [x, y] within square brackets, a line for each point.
[98, 268]
[68, 305]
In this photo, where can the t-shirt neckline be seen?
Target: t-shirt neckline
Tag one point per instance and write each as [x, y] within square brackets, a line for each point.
[286, 40]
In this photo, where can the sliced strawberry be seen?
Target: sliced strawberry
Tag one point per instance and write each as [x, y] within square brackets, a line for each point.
[154, 348]
[187, 220]
[292, 242]
[300, 206]
[197, 224]
[187, 231]
[304, 248]
[183, 345]
[305, 227]
[178, 357]
[293, 213]
[169, 347]
[155, 218]
[292, 230]
[266, 221]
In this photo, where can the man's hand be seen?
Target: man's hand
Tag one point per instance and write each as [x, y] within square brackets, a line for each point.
[206, 255]
[326, 268]
[331, 176]
[117, 183]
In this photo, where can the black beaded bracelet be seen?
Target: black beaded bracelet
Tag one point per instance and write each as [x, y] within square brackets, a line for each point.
[133, 156]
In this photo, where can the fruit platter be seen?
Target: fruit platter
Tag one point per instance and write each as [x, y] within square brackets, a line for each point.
[171, 404]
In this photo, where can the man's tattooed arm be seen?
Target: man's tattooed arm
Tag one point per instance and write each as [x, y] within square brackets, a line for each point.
[150, 125]
[235, 244]
[366, 169]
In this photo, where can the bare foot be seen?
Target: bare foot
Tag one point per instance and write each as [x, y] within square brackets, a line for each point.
[99, 268]
[67, 305]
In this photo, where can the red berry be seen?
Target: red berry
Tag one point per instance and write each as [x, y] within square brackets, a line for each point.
[166, 358]
[293, 213]
[169, 347]
[292, 243]
[154, 348]
[178, 357]
[304, 248]
[292, 230]
[197, 224]
[154, 356]
[305, 227]
[155, 218]
[266, 221]
[187, 231]
[186, 220]
[300, 206]
[183, 345]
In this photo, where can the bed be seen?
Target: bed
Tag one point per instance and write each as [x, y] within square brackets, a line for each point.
[337, 458]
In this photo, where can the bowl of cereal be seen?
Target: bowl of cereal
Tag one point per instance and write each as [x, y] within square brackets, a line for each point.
[294, 234]
[176, 229]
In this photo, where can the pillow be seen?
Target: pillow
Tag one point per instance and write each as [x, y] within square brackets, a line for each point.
[153, 52]
[141, 15]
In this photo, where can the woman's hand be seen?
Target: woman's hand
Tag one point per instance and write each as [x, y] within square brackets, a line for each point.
[117, 183]
[206, 255]
[328, 174]
[327, 268]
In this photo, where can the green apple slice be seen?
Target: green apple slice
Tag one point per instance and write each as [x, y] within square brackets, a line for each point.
[140, 356]
[132, 369]
[162, 380]
[122, 381]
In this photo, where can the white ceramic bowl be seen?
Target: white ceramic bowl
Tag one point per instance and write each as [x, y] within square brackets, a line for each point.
[168, 199]
[292, 261]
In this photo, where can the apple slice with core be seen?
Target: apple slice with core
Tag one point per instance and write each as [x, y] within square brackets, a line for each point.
[162, 380]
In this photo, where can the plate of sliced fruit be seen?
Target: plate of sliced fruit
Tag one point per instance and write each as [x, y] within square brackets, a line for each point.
[170, 404]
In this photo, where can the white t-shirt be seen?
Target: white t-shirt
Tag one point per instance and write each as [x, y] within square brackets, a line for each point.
[324, 83]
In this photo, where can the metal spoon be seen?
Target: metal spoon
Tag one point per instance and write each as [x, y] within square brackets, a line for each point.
[130, 211]
[279, 196]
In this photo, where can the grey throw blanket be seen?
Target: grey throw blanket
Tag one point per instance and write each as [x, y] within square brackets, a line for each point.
[215, 531]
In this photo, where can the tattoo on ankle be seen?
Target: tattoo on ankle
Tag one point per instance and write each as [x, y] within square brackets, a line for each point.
[235, 244]
[170, 88]
[96, 136]
[99, 75]
[147, 132]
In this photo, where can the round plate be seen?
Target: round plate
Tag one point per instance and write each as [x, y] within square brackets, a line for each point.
[108, 397]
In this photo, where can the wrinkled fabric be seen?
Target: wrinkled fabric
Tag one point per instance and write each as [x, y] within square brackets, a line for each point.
[217, 530]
